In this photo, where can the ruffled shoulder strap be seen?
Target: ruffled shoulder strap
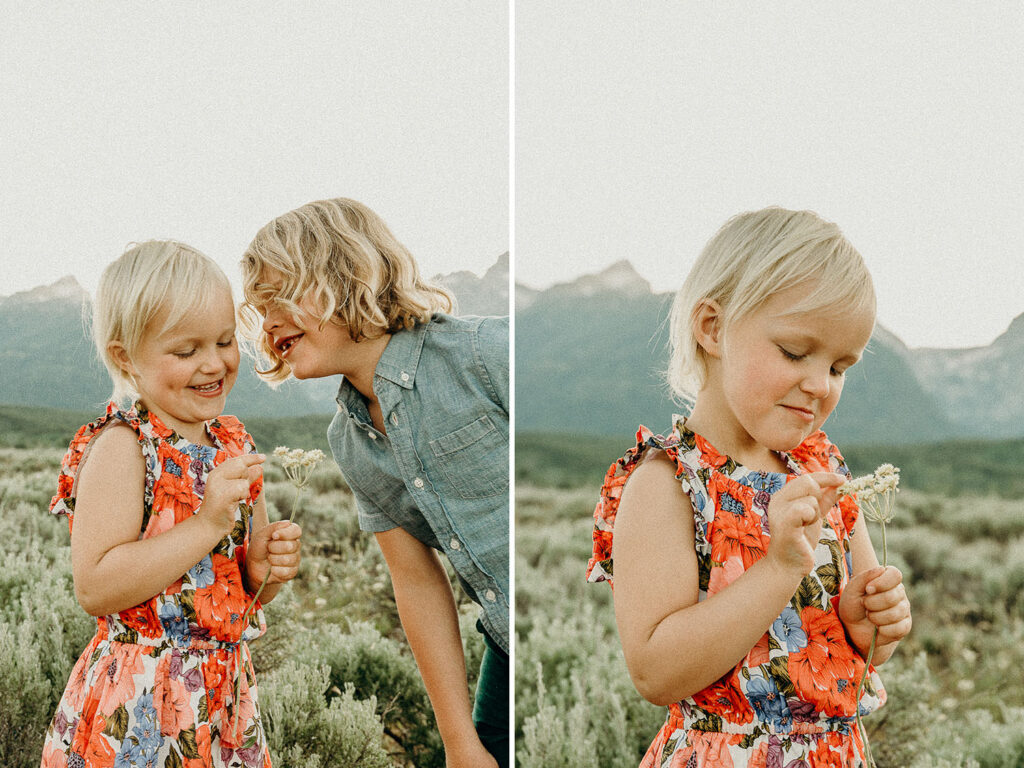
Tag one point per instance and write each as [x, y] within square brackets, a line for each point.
[599, 566]
[63, 503]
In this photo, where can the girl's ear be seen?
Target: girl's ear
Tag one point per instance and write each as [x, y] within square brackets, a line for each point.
[707, 327]
[119, 355]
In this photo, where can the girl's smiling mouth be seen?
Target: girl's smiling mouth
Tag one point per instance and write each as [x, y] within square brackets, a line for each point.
[804, 413]
[212, 389]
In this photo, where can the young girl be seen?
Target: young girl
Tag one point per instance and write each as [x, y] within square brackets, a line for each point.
[745, 596]
[421, 435]
[169, 531]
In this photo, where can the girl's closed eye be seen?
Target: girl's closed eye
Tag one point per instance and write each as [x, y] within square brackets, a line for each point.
[185, 353]
[790, 355]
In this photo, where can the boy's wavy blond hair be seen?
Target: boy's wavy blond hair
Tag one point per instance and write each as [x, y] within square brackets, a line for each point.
[341, 257]
[146, 279]
[753, 256]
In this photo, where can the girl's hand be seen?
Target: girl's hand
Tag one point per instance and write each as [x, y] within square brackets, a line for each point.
[228, 486]
[277, 548]
[875, 598]
[795, 514]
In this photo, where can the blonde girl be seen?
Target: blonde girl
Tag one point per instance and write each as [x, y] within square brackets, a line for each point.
[169, 531]
[421, 436]
[745, 595]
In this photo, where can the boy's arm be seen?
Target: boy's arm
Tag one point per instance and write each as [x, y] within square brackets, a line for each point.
[429, 617]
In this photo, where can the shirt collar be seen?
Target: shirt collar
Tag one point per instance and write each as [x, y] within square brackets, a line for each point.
[401, 356]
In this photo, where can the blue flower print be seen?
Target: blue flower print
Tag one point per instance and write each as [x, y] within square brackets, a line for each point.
[765, 481]
[788, 630]
[147, 729]
[731, 504]
[174, 621]
[171, 467]
[130, 755]
[768, 703]
[202, 573]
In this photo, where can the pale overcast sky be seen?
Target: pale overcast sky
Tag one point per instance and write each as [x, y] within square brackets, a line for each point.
[641, 127]
[202, 121]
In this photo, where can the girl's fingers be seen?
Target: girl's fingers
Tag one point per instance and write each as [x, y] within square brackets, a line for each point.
[890, 578]
[285, 529]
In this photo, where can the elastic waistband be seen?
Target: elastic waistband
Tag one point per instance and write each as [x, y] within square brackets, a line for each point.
[190, 644]
[698, 720]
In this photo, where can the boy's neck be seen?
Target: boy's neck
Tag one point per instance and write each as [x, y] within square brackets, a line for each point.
[360, 364]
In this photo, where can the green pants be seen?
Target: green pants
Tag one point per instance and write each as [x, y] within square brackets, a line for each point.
[490, 710]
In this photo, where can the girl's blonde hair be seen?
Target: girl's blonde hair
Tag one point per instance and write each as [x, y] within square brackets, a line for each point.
[148, 278]
[341, 257]
[753, 256]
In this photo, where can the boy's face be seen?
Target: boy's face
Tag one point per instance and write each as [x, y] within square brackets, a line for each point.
[309, 350]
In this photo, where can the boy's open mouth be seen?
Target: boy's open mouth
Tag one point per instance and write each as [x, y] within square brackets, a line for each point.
[285, 344]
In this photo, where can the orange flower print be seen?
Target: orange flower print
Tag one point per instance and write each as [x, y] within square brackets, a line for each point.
[171, 701]
[119, 667]
[736, 536]
[221, 604]
[89, 741]
[823, 671]
[174, 488]
[714, 748]
[205, 758]
[724, 575]
[53, 757]
[216, 681]
[827, 757]
[760, 653]
[725, 698]
[142, 619]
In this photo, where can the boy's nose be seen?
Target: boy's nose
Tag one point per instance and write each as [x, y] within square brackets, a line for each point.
[270, 321]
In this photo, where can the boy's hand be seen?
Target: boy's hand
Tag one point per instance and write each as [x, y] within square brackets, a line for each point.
[795, 514]
[875, 598]
[278, 548]
[227, 486]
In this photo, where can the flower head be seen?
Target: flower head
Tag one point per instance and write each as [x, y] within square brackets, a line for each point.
[298, 464]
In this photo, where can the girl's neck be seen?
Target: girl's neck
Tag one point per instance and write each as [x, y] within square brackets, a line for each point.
[712, 419]
[194, 432]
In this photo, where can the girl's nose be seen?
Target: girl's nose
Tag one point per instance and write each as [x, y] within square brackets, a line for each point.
[816, 383]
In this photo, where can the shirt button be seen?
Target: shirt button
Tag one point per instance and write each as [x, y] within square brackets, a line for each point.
[418, 482]
[372, 435]
[455, 543]
[491, 597]
[394, 418]
[405, 376]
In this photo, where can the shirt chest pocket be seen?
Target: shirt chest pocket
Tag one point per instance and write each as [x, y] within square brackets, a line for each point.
[474, 459]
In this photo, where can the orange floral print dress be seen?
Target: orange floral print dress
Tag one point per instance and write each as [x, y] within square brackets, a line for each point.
[155, 686]
[790, 702]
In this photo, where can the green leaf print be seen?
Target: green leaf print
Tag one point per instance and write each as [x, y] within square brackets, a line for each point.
[129, 636]
[829, 576]
[748, 741]
[117, 723]
[711, 723]
[204, 709]
[808, 593]
[778, 668]
[173, 760]
[237, 534]
[188, 744]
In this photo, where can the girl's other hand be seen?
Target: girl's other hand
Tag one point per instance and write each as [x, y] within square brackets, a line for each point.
[875, 598]
[278, 548]
[227, 486]
[795, 515]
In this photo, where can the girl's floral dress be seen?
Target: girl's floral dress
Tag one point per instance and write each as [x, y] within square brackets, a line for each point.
[155, 686]
[790, 702]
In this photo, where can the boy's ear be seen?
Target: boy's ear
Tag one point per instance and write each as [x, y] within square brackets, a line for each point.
[707, 327]
[120, 357]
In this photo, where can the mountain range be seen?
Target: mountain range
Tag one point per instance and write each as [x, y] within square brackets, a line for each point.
[47, 358]
[590, 357]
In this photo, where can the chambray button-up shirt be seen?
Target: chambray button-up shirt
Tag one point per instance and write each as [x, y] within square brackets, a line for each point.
[441, 471]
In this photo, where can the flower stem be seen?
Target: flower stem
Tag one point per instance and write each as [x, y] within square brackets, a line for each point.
[867, 663]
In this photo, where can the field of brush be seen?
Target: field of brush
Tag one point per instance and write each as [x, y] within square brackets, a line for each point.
[956, 692]
[338, 684]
